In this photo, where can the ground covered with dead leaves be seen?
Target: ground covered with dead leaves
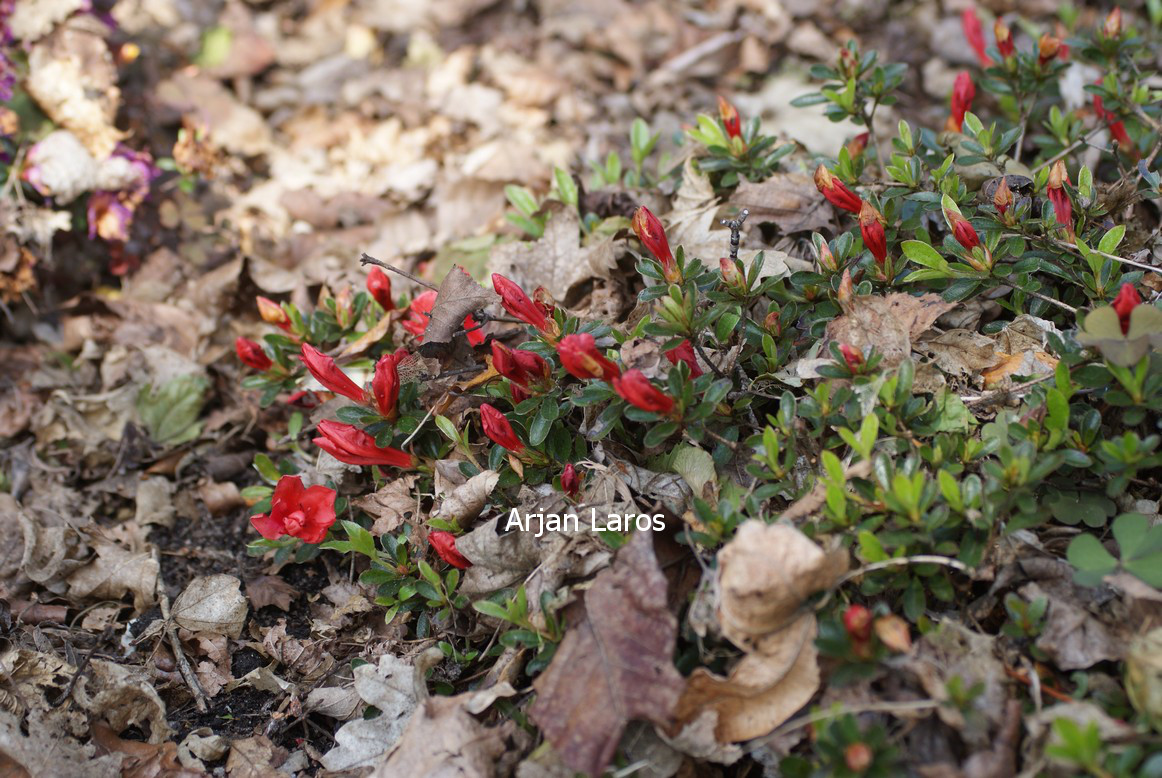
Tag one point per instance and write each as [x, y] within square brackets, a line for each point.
[478, 388]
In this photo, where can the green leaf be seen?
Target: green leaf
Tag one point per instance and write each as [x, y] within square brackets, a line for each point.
[696, 466]
[446, 426]
[522, 199]
[1091, 560]
[870, 547]
[428, 573]
[361, 540]
[1110, 241]
[923, 254]
[659, 432]
[566, 186]
[490, 608]
[170, 414]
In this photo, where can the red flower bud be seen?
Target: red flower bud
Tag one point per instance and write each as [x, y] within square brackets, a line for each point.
[420, 311]
[633, 387]
[684, 352]
[731, 274]
[445, 545]
[848, 63]
[1055, 191]
[303, 399]
[827, 260]
[1112, 28]
[522, 368]
[1003, 197]
[327, 373]
[649, 231]
[858, 757]
[963, 91]
[251, 354]
[974, 33]
[499, 430]
[517, 303]
[961, 228]
[306, 514]
[570, 480]
[1047, 48]
[352, 445]
[772, 324]
[846, 288]
[385, 384]
[1117, 127]
[730, 118]
[579, 356]
[272, 313]
[1126, 301]
[1004, 38]
[857, 620]
[871, 227]
[857, 145]
[852, 356]
[379, 287]
[835, 190]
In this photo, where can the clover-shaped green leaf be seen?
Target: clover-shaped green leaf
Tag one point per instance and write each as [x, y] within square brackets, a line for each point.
[1139, 546]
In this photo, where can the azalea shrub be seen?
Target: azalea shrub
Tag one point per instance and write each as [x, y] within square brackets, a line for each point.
[779, 379]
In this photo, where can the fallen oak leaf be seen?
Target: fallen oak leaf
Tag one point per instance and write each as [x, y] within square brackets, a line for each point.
[614, 664]
[890, 324]
[458, 296]
[270, 590]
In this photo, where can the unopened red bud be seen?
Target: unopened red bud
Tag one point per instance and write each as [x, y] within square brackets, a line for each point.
[836, 191]
[1112, 28]
[856, 146]
[252, 354]
[1004, 38]
[570, 480]
[272, 313]
[1047, 48]
[846, 289]
[1003, 197]
[854, 359]
[857, 619]
[827, 260]
[772, 324]
[871, 227]
[650, 232]
[379, 287]
[858, 757]
[1124, 304]
[731, 274]
[974, 33]
[730, 118]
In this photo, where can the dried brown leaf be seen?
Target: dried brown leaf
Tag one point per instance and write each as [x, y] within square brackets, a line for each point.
[391, 505]
[464, 503]
[459, 296]
[211, 603]
[271, 590]
[115, 572]
[255, 757]
[442, 740]
[789, 200]
[614, 664]
[960, 352]
[889, 324]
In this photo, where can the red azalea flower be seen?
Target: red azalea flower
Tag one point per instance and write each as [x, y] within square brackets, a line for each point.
[684, 352]
[327, 373]
[1055, 191]
[272, 313]
[385, 384]
[420, 310]
[580, 357]
[1117, 127]
[730, 118]
[871, 227]
[499, 430]
[1112, 27]
[251, 354]
[1004, 38]
[353, 446]
[570, 480]
[836, 191]
[445, 545]
[379, 287]
[852, 356]
[522, 368]
[961, 228]
[858, 757]
[650, 232]
[306, 514]
[857, 620]
[517, 303]
[963, 90]
[1126, 301]
[772, 324]
[857, 145]
[975, 35]
[633, 387]
[303, 398]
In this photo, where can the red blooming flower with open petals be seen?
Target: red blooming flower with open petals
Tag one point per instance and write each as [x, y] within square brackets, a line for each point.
[445, 545]
[519, 304]
[633, 387]
[871, 227]
[580, 357]
[499, 430]
[327, 373]
[306, 514]
[963, 90]
[684, 352]
[251, 354]
[420, 310]
[349, 444]
[379, 287]
[650, 232]
[975, 35]
[836, 191]
[1124, 304]
[385, 383]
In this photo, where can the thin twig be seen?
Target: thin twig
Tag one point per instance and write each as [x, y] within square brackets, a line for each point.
[172, 633]
[1114, 257]
[918, 559]
[367, 259]
[706, 359]
[1066, 151]
[996, 393]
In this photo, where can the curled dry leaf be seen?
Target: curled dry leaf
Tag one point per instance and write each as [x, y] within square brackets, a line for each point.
[789, 200]
[890, 324]
[271, 590]
[960, 352]
[212, 603]
[459, 296]
[115, 572]
[123, 697]
[614, 664]
[464, 503]
[557, 260]
[391, 505]
[35, 747]
[443, 740]
[255, 757]
[142, 760]
[395, 686]
[307, 659]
